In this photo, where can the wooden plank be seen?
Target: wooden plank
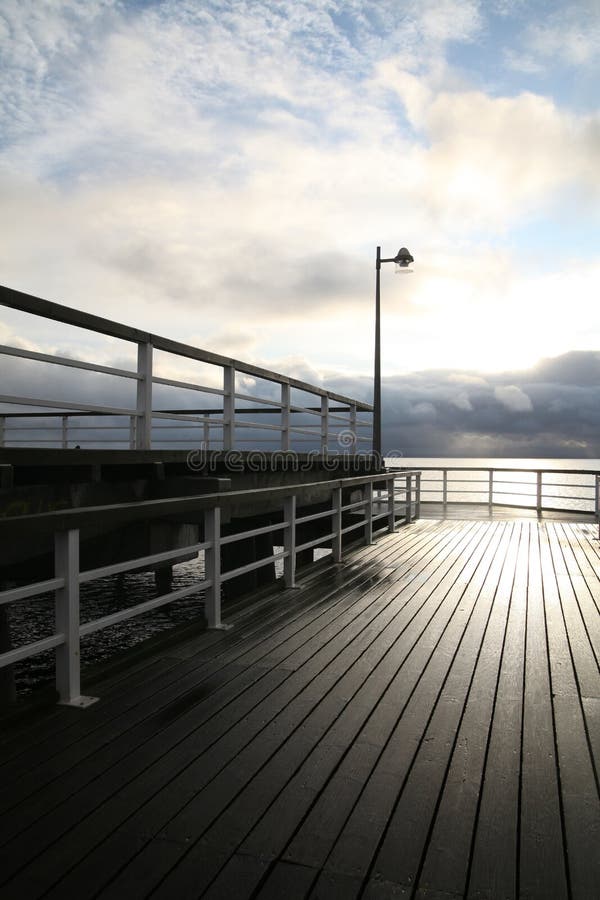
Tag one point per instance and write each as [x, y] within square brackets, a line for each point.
[578, 784]
[404, 843]
[373, 699]
[351, 814]
[162, 769]
[371, 679]
[585, 580]
[199, 775]
[576, 619]
[280, 767]
[542, 860]
[493, 870]
[446, 863]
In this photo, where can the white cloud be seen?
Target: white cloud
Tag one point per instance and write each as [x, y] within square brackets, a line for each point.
[569, 36]
[513, 398]
[222, 168]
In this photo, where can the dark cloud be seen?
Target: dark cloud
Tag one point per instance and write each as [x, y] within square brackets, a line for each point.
[551, 410]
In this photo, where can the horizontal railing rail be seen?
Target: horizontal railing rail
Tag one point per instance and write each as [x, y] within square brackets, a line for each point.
[138, 424]
[542, 490]
[384, 500]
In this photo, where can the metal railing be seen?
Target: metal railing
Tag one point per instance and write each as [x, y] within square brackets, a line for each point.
[287, 413]
[383, 499]
[542, 490]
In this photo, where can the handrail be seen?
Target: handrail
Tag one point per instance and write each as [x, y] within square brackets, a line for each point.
[140, 415]
[68, 575]
[537, 492]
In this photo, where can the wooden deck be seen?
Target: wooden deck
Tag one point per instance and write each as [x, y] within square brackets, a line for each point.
[423, 721]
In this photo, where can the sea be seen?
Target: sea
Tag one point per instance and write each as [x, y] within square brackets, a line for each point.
[33, 620]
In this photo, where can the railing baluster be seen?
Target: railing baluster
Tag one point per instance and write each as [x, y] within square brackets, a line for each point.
[65, 432]
[490, 491]
[68, 664]
[285, 417]
[228, 408]
[324, 424]
[368, 495]
[418, 495]
[391, 504]
[444, 488]
[408, 499]
[143, 433]
[2, 427]
[289, 541]
[336, 545]
[353, 428]
[212, 565]
[539, 492]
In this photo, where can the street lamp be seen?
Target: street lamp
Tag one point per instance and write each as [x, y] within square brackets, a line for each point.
[402, 259]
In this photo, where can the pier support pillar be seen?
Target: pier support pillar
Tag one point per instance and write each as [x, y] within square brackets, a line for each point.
[243, 552]
[163, 580]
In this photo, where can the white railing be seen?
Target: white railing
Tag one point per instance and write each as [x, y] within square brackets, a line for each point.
[542, 490]
[253, 405]
[383, 499]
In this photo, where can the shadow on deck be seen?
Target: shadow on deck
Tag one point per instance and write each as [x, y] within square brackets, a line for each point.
[423, 721]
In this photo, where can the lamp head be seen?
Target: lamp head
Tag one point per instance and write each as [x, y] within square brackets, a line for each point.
[403, 258]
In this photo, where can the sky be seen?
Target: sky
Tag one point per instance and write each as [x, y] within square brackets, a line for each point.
[221, 172]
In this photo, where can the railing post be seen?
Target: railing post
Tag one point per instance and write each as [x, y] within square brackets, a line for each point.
[353, 428]
[418, 495]
[324, 424]
[368, 493]
[143, 432]
[212, 565]
[538, 502]
[285, 417]
[65, 431]
[68, 663]
[490, 491]
[390, 504]
[206, 433]
[289, 541]
[444, 489]
[2, 426]
[336, 545]
[228, 408]
[408, 499]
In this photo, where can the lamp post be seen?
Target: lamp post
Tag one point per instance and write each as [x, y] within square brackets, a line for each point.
[402, 259]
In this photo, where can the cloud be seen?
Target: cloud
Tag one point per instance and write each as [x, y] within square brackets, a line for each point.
[513, 398]
[569, 36]
[224, 168]
[550, 410]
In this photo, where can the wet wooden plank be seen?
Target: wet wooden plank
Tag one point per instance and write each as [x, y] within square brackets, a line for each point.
[423, 722]
[446, 862]
[493, 868]
[542, 863]
[220, 741]
[578, 781]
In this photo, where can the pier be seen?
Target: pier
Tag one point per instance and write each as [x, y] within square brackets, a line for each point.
[414, 711]
[421, 720]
